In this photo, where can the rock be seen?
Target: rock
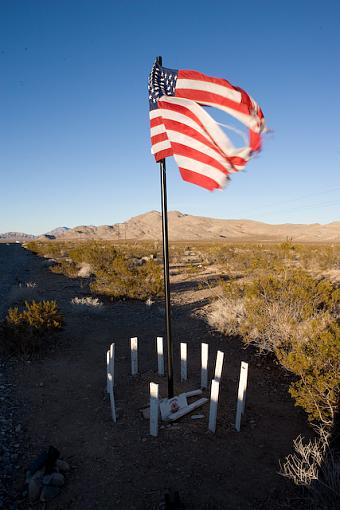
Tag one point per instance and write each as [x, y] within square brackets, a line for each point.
[34, 489]
[49, 492]
[85, 270]
[38, 475]
[54, 479]
[63, 466]
[18, 428]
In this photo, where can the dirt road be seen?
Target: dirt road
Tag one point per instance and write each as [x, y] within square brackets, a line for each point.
[63, 403]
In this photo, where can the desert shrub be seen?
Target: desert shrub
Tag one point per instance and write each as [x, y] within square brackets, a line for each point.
[65, 266]
[226, 315]
[50, 249]
[87, 302]
[128, 279]
[117, 271]
[99, 255]
[278, 307]
[315, 359]
[287, 245]
[24, 330]
[294, 316]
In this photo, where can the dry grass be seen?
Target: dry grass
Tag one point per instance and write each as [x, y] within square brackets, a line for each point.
[314, 466]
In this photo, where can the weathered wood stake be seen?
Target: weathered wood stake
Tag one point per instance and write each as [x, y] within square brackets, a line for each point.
[134, 355]
[154, 409]
[160, 355]
[184, 362]
[204, 365]
[219, 365]
[241, 395]
[215, 388]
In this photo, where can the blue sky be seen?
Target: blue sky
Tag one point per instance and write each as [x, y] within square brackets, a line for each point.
[74, 129]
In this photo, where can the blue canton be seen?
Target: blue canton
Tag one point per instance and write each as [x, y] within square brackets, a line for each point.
[162, 82]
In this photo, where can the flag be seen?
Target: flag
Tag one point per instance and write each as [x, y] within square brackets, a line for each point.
[182, 128]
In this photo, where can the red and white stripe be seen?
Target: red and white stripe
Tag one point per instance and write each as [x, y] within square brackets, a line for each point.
[180, 127]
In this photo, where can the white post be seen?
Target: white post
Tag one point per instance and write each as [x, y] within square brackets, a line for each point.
[204, 365]
[215, 388]
[112, 398]
[244, 368]
[219, 365]
[107, 370]
[154, 409]
[112, 363]
[160, 355]
[241, 395]
[184, 362]
[134, 355]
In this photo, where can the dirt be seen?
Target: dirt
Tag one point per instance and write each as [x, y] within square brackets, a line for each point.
[63, 402]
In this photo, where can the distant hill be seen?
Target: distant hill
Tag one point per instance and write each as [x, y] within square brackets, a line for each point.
[11, 237]
[57, 231]
[185, 227]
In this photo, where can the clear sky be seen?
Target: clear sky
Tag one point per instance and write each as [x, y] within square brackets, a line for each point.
[74, 128]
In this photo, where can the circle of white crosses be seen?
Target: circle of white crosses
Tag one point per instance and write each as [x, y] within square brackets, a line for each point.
[161, 83]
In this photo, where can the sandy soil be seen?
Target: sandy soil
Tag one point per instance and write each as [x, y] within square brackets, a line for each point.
[63, 402]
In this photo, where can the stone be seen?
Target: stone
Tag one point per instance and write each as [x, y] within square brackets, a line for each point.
[54, 479]
[49, 492]
[34, 489]
[63, 466]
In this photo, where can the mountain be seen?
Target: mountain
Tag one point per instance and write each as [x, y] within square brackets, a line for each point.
[11, 237]
[185, 227]
[56, 232]
[182, 227]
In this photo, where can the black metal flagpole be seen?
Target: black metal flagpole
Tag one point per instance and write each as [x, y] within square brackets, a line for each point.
[162, 168]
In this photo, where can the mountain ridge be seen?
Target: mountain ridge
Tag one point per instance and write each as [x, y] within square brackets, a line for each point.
[186, 227]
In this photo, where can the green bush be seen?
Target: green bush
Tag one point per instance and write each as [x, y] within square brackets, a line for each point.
[23, 330]
[127, 279]
[292, 315]
[316, 361]
[100, 255]
[277, 308]
[117, 271]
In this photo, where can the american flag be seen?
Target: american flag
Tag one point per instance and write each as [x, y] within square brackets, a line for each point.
[182, 128]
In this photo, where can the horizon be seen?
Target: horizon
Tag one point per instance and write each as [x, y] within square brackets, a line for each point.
[75, 128]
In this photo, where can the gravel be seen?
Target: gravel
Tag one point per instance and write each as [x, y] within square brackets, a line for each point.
[11, 442]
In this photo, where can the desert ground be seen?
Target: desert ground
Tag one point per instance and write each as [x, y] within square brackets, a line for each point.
[58, 398]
